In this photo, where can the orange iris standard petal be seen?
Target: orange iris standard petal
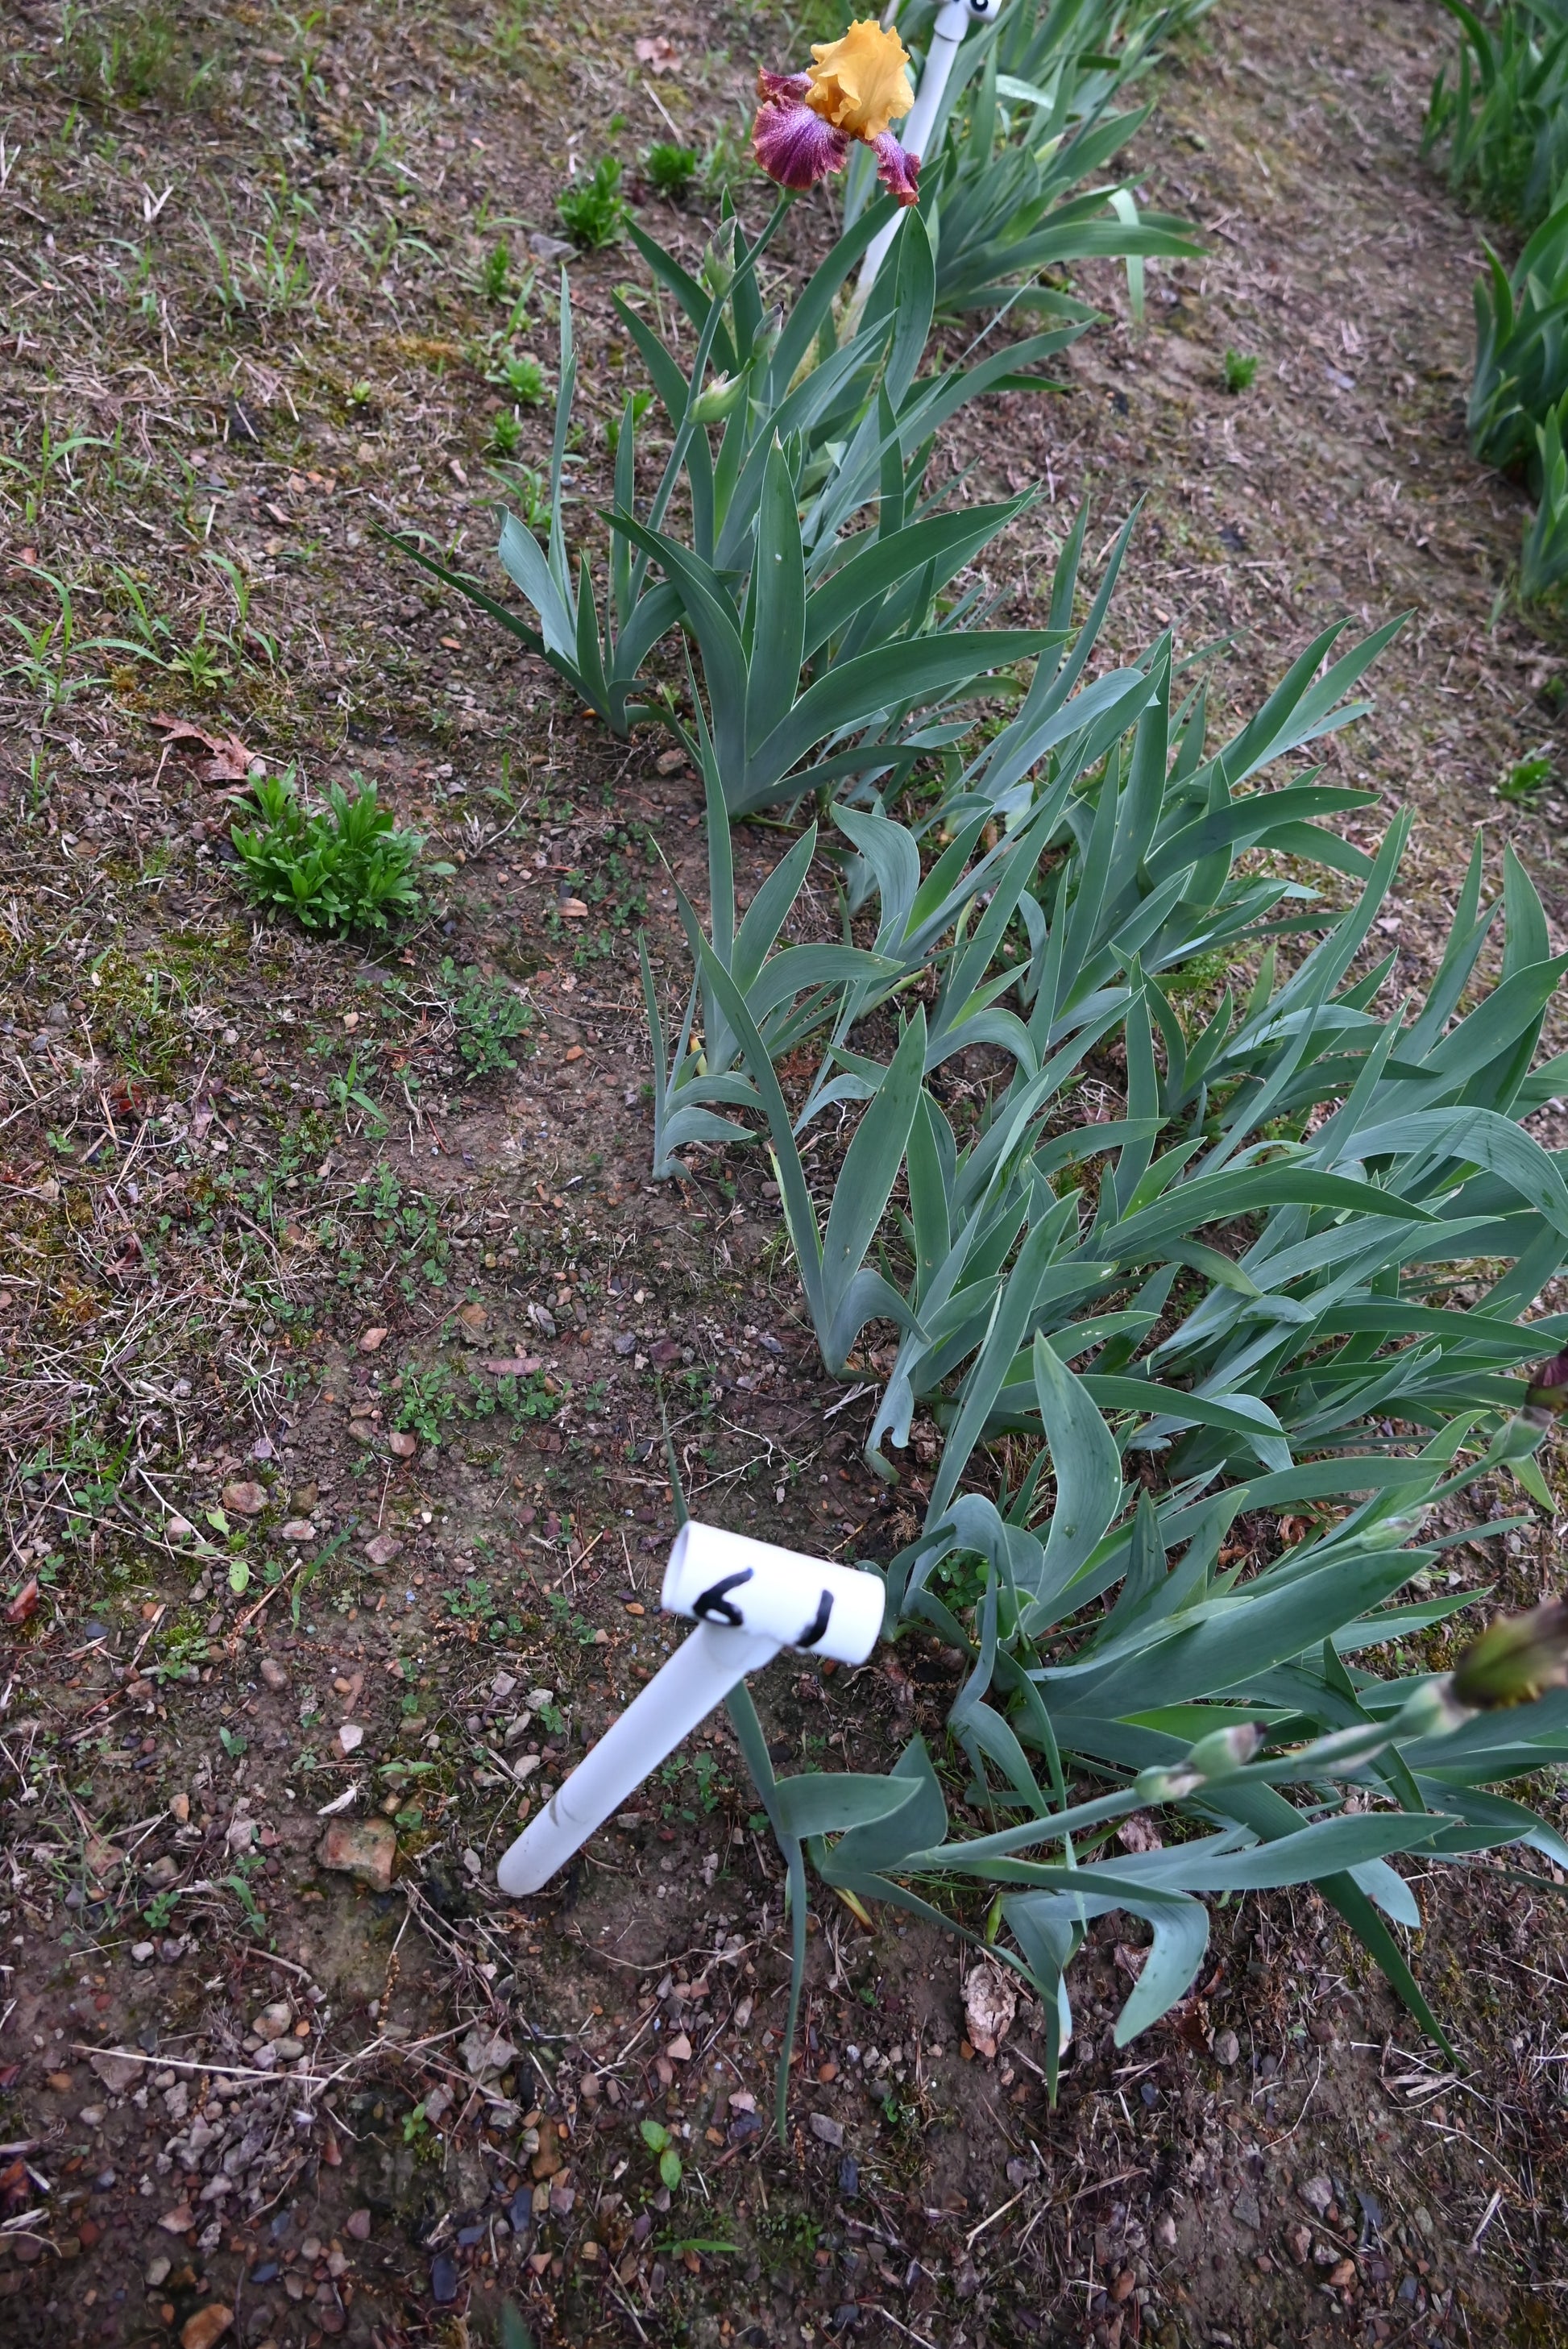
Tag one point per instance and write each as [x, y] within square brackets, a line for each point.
[860, 83]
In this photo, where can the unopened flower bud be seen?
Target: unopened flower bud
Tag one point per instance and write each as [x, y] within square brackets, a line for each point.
[1514, 1658]
[1433, 1710]
[716, 268]
[766, 341]
[716, 398]
[1547, 1393]
[1160, 1785]
[1224, 1750]
[1217, 1756]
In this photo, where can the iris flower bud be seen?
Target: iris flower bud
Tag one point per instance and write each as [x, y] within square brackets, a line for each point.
[1433, 1710]
[1515, 1658]
[716, 398]
[1218, 1756]
[1547, 1393]
[716, 268]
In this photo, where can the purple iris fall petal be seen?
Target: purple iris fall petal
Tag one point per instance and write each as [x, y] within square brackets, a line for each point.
[777, 88]
[795, 147]
[898, 171]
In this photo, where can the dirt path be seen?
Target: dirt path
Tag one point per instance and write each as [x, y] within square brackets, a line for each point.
[1339, 485]
[1388, 510]
[266, 1211]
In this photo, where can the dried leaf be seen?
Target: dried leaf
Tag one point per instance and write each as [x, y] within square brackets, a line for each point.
[1139, 1834]
[990, 2003]
[24, 1603]
[228, 759]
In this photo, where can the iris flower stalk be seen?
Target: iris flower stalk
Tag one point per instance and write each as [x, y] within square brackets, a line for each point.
[701, 406]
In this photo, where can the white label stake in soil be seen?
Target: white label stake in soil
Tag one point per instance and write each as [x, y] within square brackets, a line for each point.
[749, 1599]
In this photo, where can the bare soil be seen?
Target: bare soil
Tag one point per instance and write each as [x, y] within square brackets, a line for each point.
[244, 260]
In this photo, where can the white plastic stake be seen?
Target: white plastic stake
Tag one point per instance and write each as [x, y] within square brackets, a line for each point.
[699, 1675]
[953, 21]
[750, 1599]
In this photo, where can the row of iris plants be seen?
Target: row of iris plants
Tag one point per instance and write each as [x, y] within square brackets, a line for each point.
[1503, 119]
[1217, 1381]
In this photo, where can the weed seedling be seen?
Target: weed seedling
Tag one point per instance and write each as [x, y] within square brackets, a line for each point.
[1526, 780]
[239, 1885]
[670, 168]
[485, 1016]
[528, 486]
[344, 867]
[563, 1619]
[641, 403]
[201, 664]
[1241, 367]
[525, 379]
[593, 212]
[124, 59]
[159, 1912]
[657, 2139]
[426, 1402]
[495, 274]
[346, 1093]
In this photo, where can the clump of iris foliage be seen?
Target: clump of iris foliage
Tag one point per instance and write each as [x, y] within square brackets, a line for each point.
[1503, 117]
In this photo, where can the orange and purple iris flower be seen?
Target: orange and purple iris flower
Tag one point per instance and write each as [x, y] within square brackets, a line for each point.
[853, 89]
